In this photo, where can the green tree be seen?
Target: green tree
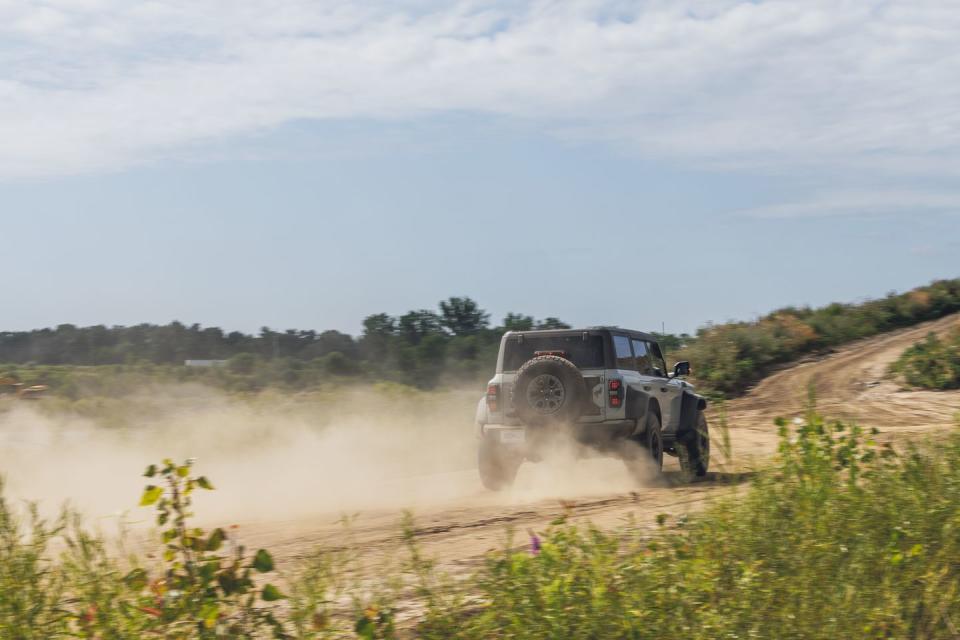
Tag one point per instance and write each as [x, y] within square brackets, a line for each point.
[329, 342]
[517, 322]
[378, 331]
[552, 323]
[379, 325]
[462, 316]
[414, 326]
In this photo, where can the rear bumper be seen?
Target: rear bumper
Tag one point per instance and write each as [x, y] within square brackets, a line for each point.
[598, 435]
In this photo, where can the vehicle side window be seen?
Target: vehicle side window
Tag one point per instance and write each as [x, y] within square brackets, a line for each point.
[644, 363]
[621, 349]
[656, 357]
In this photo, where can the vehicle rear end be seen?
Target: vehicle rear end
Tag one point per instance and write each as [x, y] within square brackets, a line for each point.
[586, 350]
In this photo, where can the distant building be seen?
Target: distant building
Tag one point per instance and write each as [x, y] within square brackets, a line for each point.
[204, 363]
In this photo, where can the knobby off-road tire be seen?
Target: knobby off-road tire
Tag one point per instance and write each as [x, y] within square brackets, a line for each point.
[548, 390]
[694, 451]
[497, 465]
[644, 458]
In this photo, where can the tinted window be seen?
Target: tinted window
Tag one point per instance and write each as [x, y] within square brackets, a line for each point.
[645, 364]
[656, 357]
[621, 350]
[586, 354]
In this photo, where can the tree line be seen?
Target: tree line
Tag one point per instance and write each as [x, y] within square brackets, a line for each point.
[456, 339]
[456, 343]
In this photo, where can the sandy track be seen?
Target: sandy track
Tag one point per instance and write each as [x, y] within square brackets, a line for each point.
[850, 384]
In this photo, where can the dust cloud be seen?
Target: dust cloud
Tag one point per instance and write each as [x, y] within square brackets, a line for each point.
[272, 457]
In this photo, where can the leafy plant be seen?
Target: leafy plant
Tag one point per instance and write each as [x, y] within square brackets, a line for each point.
[202, 588]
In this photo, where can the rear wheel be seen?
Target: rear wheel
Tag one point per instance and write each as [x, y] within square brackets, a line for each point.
[694, 451]
[497, 465]
[655, 441]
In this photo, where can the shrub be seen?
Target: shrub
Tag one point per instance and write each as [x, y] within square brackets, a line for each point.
[931, 363]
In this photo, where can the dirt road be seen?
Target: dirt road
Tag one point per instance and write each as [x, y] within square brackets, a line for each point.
[850, 384]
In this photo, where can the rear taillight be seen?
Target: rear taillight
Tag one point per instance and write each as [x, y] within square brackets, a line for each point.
[493, 397]
[615, 393]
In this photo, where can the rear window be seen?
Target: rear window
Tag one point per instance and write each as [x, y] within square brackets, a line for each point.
[586, 354]
[621, 348]
[644, 363]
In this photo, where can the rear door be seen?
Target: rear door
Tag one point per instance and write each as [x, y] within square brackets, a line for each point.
[626, 366]
[625, 363]
[651, 382]
[670, 391]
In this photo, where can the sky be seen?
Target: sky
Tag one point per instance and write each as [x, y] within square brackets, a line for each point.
[301, 164]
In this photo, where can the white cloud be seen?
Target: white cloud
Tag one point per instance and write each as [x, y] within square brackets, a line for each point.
[99, 84]
[867, 202]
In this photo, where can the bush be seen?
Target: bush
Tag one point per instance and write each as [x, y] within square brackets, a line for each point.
[931, 363]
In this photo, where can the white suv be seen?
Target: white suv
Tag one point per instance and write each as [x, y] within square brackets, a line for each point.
[604, 388]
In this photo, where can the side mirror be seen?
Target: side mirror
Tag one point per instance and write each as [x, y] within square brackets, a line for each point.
[681, 369]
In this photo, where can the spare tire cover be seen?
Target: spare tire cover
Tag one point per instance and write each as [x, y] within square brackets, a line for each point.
[548, 389]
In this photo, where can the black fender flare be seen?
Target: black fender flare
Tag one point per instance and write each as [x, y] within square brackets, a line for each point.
[690, 405]
[637, 404]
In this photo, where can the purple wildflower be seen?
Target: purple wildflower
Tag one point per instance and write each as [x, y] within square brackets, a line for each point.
[534, 544]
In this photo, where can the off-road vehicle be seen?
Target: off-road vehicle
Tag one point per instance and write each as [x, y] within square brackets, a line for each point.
[605, 389]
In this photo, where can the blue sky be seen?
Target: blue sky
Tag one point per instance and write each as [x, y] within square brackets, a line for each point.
[286, 165]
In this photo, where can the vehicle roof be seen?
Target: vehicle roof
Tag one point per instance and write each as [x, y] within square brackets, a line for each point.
[596, 330]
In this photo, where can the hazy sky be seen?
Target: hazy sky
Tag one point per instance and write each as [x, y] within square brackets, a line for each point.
[305, 164]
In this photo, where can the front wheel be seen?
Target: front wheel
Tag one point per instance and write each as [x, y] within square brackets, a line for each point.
[694, 451]
[498, 466]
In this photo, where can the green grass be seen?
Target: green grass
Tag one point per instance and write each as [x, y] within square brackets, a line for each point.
[839, 538]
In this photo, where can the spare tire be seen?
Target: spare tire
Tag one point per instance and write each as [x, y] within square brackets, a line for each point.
[548, 389]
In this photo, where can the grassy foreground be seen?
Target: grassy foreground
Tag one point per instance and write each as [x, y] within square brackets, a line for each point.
[840, 538]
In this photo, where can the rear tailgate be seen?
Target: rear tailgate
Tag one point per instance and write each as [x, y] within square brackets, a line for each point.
[584, 349]
[594, 407]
